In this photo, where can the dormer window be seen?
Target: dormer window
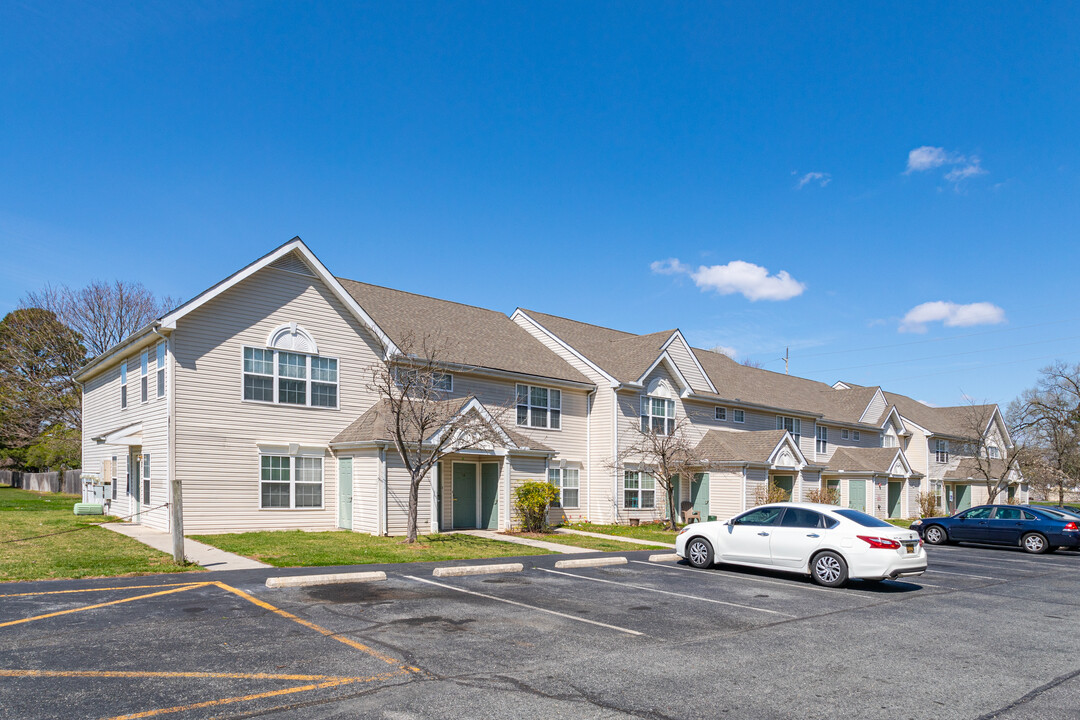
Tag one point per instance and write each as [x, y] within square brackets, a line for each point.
[792, 425]
[993, 452]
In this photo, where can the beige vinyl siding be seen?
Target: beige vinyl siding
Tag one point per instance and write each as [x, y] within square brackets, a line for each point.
[684, 360]
[877, 406]
[366, 491]
[102, 414]
[597, 474]
[916, 452]
[725, 493]
[524, 469]
[756, 479]
[398, 482]
[808, 482]
[217, 433]
[867, 439]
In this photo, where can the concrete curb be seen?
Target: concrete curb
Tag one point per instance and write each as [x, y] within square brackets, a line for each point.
[459, 570]
[591, 562]
[666, 557]
[305, 580]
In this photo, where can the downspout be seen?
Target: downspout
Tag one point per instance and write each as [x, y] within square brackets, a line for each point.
[744, 487]
[382, 526]
[615, 452]
[588, 453]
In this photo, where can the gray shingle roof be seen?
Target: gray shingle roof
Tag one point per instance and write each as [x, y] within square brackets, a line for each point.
[374, 426]
[954, 421]
[968, 469]
[733, 446]
[872, 460]
[625, 356]
[470, 335]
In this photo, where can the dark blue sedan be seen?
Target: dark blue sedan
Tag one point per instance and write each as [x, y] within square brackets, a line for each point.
[1033, 529]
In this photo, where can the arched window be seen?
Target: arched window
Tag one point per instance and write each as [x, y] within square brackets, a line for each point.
[290, 371]
[658, 408]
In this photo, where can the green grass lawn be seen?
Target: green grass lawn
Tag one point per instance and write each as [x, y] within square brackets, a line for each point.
[652, 531]
[291, 548]
[583, 541]
[899, 523]
[90, 552]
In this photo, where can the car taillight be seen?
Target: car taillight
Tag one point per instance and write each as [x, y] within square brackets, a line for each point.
[879, 542]
[1071, 526]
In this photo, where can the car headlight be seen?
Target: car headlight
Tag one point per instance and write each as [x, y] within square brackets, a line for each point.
[916, 522]
[684, 529]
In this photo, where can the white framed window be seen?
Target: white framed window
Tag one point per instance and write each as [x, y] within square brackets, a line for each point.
[639, 490]
[290, 482]
[288, 378]
[439, 380]
[144, 376]
[855, 435]
[657, 415]
[146, 478]
[792, 425]
[738, 416]
[539, 407]
[567, 482]
[844, 434]
[721, 413]
[123, 385]
[160, 369]
[822, 439]
[888, 441]
[941, 454]
[115, 479]
[993, 452]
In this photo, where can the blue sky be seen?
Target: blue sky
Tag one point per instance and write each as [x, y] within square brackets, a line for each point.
[889, 189]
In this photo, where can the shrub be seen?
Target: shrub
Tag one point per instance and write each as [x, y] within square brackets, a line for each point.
[532, 500]
[927, 504]
[770, 493]
[823, 496]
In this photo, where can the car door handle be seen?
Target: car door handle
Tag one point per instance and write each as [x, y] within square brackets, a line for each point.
[813, 535]
[763, 533]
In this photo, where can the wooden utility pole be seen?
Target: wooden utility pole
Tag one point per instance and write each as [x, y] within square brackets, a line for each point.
[176, 520]
[787, 357]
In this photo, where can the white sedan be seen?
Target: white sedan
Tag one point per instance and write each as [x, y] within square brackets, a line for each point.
[827, 542]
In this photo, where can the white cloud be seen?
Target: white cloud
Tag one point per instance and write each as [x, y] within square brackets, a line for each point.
[951, 315]
[821, 178]
[928, 158]
[749, 280]
[725, 350]
[671, 266]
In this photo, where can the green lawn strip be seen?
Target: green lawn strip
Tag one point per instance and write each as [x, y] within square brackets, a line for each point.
[653, 531]
[90, 552]
[292, 548]
[900, 523]
[584, 541]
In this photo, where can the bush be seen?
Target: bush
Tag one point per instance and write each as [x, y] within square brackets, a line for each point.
[770, 493]
[532, 500]
[823, 496]
[928, 506]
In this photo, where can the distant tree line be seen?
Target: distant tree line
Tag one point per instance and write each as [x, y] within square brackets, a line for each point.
[43, 343]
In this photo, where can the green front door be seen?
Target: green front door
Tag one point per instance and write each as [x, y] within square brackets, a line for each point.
[963, 497]
[699, 494]
[344, 513]
[785, 483]
[489, 496]
[464, 495]
[857, 495]
[895, 489]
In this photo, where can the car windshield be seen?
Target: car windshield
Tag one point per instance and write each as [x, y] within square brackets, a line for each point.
[862, 518]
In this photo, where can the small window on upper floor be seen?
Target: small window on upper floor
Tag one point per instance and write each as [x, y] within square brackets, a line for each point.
[288, 378]
[993, 452]
[941, 455]
[888, 441]
[822, 439]
[855, 435]
[844, 434]
[738, 416]
[657, 415]
[792, 425]
[123, 384]
[144, 376]
[160, 369]
[721, 413]
[539, 407]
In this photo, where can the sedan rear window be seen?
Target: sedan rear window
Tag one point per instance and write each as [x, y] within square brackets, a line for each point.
[862, 518]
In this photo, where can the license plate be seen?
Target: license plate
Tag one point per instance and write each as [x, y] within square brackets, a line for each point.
[911, 549]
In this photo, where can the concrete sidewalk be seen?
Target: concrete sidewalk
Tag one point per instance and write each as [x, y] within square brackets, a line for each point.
[209, 557]
[552, 547]
[620, 538]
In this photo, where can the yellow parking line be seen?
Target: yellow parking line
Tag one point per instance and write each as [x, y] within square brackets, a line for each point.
[161, 674]
[258, 696]
[317, 628]
[104, 604]
[105, 589]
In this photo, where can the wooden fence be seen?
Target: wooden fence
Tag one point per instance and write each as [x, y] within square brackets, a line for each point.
[69, 481]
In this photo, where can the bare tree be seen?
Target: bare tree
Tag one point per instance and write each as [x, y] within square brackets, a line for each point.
[1047, 422]
[749, 362]
[665, 454]
[991, 461]
[425, 422]
[103, 313]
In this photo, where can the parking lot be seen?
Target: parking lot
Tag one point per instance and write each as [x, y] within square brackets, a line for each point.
[984, 633]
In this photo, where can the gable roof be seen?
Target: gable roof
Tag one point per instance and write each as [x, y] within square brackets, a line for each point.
[968, 469]
[755, 446]
[471, 336]
[954, 421]
[625, 356]
[373, 425]
[878, 461]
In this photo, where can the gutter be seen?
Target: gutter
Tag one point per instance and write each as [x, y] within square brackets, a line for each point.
[112, 353]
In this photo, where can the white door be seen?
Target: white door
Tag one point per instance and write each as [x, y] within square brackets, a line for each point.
[748, 536]
[799, 533]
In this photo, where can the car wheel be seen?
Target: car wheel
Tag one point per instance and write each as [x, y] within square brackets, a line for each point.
[829, 569]
[699, 553]
[1034, 543]
[936, 535]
